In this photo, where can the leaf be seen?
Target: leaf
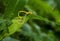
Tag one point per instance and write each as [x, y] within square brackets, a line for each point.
[12, 8]
[40, 7]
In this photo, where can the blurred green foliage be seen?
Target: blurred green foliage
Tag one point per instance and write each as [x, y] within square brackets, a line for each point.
[42, 25]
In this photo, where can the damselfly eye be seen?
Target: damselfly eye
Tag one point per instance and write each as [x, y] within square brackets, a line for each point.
[22, 14]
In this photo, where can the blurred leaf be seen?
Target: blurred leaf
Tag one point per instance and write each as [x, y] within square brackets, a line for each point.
[10, 39]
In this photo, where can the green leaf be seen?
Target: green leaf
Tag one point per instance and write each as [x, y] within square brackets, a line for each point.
[43, 8]
[12, 8]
